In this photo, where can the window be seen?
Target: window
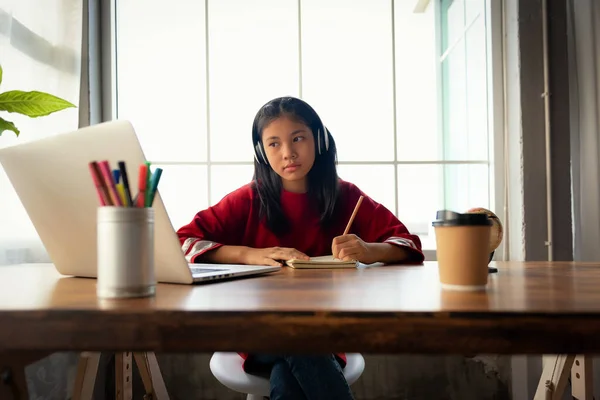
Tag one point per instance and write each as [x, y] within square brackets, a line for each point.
[404, 92]
[467, 122]
[464, 88]
[40, 49]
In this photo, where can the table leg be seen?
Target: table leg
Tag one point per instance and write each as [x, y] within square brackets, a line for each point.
[87, 369]
[13, 384]
[582, 379]
[123, 376]
[85, 379]
[555, 375]
[151, 377]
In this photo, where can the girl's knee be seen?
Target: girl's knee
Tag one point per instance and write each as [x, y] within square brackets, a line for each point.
[326, 360]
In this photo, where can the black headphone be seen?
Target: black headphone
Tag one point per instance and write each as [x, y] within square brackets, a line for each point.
[259, 151]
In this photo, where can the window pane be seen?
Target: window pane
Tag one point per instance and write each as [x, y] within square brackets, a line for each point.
[453, 22]
[161, 76]
[474, 9]
[425, 189]
[183, 190]
[416, 88]
[454, 105]
[477, 93]
[226, 178]
[347, 74]
[420, 195]
[14, 221]
[44, 22]
[467, 186]
[465, 106]
[51, 63]
[253, 58]
[377, 181]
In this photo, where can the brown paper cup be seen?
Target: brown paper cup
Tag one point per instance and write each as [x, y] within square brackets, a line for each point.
[463, 251]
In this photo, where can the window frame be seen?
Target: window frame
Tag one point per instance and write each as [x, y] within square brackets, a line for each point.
[105, 37]
[496, 163]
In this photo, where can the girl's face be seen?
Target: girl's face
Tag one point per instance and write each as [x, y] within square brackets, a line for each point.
[290, 149]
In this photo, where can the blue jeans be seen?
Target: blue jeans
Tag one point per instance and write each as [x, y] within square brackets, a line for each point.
[304, 377]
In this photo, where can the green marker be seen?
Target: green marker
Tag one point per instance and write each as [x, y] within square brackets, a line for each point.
[154, 185]
[147, 194]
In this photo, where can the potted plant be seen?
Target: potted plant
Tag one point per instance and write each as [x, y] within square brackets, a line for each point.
[32, 104]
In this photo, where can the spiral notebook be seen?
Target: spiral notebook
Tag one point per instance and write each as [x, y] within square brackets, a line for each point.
[320, 263]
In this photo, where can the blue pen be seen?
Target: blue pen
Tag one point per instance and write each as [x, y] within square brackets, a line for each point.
[116, 175]
[154, 185]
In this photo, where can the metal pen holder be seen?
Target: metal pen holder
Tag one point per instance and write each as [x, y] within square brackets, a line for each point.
[125, 241]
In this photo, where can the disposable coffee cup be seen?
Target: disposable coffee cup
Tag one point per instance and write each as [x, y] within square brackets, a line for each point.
[462, 249]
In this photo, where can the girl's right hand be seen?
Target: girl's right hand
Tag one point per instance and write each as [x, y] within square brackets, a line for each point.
[272, 256]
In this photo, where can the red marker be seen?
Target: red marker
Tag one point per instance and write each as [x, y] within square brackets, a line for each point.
[110, 183]
[103, 196]
[142, 181]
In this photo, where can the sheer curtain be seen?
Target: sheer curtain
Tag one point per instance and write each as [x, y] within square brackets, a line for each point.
[584, 74]
[584, 53]
[40, 49]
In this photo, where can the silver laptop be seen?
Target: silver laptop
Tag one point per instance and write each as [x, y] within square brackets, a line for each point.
[52, 179]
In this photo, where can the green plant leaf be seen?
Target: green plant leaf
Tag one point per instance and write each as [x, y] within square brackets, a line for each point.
[0, 78]
[8, 126]
[32, 104]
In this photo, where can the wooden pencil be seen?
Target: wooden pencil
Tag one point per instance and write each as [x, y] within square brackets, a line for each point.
[358, 203]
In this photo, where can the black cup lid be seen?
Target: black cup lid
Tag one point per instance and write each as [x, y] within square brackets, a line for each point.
[451, 218]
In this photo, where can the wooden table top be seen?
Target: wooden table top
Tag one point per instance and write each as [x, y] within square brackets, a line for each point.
[528, 308]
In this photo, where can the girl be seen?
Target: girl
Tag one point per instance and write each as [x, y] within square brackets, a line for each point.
[296, 207]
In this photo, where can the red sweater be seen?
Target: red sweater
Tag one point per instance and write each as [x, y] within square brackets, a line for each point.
[235, 221]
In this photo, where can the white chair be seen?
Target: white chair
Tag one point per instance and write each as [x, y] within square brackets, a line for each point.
[227, 368]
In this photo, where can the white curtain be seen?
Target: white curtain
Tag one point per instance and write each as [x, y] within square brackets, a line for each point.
[584, 82]
[40, 49]
[584, 67]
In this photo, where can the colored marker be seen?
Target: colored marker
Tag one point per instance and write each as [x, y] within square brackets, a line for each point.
[142, 180]
[103, 196]
[125, 181]
[116, 175]
[121, 192]
[148, 176]
[154, 185]
[108, 180]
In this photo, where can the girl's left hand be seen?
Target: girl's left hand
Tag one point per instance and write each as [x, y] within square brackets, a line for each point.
[351, 247]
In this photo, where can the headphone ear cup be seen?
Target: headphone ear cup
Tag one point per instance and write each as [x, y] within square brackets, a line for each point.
[319, 141]
[259, 154]
[256, 153]
[323, 140]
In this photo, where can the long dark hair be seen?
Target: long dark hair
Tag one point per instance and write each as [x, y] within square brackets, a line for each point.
[322, 178]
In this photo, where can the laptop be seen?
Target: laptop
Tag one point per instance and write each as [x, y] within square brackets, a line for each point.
[52, 179]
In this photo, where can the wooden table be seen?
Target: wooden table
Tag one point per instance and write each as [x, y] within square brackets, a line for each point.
[529, 308]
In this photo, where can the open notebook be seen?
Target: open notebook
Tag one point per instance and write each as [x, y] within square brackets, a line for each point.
[321, 262]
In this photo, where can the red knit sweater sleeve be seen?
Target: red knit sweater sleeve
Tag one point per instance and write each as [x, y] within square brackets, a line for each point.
[224, 222]
[374, 223]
